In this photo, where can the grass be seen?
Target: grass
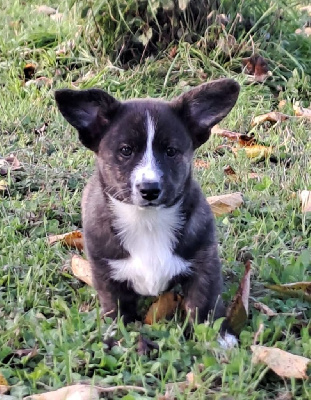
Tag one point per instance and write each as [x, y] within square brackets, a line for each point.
[43, 306]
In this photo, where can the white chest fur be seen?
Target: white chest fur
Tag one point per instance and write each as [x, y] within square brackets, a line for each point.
[149, 235]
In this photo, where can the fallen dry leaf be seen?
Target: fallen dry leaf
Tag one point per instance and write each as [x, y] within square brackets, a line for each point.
[225, 203]
[302, 112]
[198, 163]
[265, 309]
[192, 382]
[40, 82]
[71, 239]
[164, 307]
[257, 151]
[42, 129]
[46, 10]
[82, 392]
[26, 352]
[297, 289]
[230, 172]
[306, 30]
[173, 52]
[237, 312]
[81, 269]
[257, 67]
[284, 396]
[284, 364]
[305, 9]
[241, 138]
[9, 163]
[305, 197]
[4, 386]
[75, 392]
[3, 185]
[272, 116]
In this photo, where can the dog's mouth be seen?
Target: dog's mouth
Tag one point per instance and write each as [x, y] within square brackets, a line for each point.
[149, 204]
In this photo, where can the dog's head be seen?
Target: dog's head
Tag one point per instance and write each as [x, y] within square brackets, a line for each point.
[144, 147]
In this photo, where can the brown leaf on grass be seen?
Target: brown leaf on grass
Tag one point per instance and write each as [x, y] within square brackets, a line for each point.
[225, 203]
[264, 309]
[284, 364]
[9, 163]
[82, 392]
[297, 289]
[306, 30]
[257, 151]
[164, 307]
[191, 383]
[72, 239]
[257, 67]
[42, 129]
[302, 112]
[306, 9]
[173, 52]
[81, 269]
[26, 352]
[305, 197]
[46, 10]
[284, 396]
[199, 163]
[40, 82]
[145, 345]
[3, 185]
[4, 386]
[272, 116]
[237, 312]
[230, 172]
[29, 71]
[241, 138]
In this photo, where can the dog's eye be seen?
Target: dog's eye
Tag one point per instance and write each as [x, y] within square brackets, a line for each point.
[126, 151]
[171, 152]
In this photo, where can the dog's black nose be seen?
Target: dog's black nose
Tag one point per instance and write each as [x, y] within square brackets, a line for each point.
[149, 190]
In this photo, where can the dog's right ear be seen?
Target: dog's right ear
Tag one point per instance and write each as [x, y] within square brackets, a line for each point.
[89, 111]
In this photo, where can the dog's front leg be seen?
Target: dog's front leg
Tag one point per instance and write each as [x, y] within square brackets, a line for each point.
[203, 291]
[116, 298]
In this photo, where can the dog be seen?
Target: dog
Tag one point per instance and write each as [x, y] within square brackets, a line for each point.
[146, 223]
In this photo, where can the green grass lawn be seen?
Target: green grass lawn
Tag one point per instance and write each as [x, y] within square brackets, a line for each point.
[43, 306]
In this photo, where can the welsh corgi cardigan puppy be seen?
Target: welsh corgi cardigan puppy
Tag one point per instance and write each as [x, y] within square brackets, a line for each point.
[147, 225]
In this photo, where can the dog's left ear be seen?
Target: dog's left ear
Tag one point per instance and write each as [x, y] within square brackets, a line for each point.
[204, 106]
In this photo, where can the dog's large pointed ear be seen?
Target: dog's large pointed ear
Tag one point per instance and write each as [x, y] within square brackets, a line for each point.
[89, 111]
[204, 106]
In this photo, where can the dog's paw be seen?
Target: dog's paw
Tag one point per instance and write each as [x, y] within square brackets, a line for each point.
[227, 341]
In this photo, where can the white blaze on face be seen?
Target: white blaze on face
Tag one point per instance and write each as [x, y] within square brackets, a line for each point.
[146, 170]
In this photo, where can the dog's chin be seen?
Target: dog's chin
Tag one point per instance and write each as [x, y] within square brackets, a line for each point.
[148, 204]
